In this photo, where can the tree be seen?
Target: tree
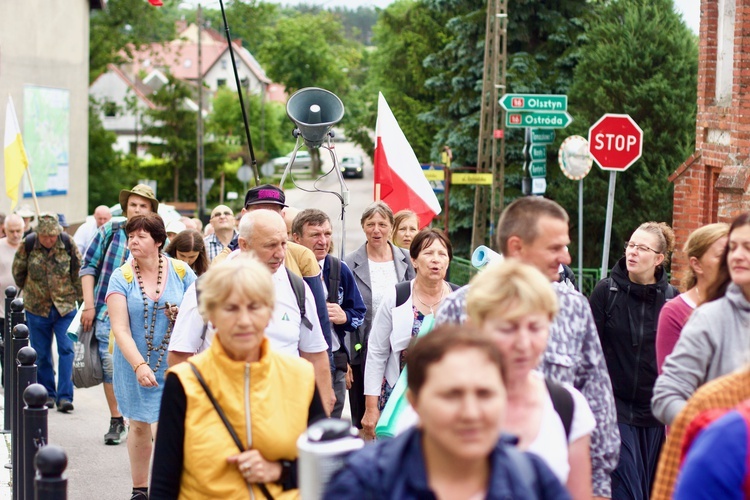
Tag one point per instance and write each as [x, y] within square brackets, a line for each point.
[640, 59]
[174, 124]
[310, 50]
[108, 170]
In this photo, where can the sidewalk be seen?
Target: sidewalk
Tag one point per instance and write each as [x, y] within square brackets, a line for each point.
[6, 491]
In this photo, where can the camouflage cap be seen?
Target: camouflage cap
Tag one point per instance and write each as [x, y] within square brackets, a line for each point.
[48, 225]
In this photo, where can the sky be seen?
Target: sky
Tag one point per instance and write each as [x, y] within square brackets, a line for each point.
[690, 9]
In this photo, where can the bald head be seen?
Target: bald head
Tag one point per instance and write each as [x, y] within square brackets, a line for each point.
[14, 229]
[289, 214]
[102, 215]
[263, 232]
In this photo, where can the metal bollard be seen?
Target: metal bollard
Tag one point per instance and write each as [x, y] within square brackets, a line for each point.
[16, 318]
[10, 294]
[25, 377]
[50, 463]
[34, 434]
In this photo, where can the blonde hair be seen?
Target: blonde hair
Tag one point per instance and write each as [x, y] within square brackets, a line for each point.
[243, 274]
[510, 284]
[665, 235]
[400, 217]
[698, 244]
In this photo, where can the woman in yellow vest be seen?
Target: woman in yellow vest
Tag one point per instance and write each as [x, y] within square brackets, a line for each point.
[268, 399]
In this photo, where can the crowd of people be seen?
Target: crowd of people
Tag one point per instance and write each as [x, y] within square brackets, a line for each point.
[230, 340]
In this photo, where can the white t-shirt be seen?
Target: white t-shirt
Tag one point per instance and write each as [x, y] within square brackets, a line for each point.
[7, 254]
[285, 332]
[550, 444]
[383, 277]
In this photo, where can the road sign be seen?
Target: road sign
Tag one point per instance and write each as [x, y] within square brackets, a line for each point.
[534, 102]
[547, 119]
[538, 152]
[245, 173]
[538, 168]
[538, 185]
[436, 177]
[542, 136]
[615, 142]
[482, 179]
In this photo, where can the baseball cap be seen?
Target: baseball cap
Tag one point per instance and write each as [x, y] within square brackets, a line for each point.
[267, 193]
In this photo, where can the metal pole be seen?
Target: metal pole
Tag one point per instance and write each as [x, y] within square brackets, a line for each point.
[50, 463]
[10, 294]
[26, 376]
[253, 162]
[608, 223]
[199, 153]
[34, 433]
[580, 234]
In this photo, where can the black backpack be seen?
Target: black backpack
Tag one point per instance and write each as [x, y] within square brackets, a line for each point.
[334, 279]
[403, 291]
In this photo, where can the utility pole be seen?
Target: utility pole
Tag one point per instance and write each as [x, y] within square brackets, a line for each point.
[489, 200]
[199, 155]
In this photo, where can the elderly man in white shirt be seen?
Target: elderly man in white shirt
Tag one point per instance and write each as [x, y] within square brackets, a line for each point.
[263, 232]
[86, 232]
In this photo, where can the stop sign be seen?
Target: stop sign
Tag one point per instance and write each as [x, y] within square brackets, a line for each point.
[615, 142]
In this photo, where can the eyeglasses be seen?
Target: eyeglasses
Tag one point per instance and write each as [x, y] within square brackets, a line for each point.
[639, 248]
[219, 214]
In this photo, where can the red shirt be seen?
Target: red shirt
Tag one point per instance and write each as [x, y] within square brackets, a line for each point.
[672, 318]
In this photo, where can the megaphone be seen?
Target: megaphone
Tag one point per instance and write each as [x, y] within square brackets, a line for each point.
[314, 111]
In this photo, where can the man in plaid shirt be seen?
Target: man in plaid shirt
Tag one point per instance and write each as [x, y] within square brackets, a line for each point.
[108, 251]
[222, 220]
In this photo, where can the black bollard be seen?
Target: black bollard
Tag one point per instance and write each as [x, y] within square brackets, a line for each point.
[16, 318]
[10, 294]
[34, 434]
[26, 376]
[50, 463]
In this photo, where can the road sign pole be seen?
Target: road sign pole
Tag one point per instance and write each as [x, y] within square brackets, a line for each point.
[608, 223]
[580, 234]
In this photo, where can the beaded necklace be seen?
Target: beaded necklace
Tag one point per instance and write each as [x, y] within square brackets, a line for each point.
[149, 331]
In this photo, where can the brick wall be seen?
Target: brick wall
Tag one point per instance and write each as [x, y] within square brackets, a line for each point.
[712, 185]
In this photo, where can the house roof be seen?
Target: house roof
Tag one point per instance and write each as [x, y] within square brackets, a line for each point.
[139, 88]
[180, 56]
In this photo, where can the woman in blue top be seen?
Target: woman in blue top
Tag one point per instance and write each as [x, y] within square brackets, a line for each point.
[142, 301]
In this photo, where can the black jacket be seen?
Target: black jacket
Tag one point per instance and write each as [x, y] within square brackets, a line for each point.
[626, 316]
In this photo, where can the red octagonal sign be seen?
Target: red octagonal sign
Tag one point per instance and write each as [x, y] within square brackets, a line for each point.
[615, 142]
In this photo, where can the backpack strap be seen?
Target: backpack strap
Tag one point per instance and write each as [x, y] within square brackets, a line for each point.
[298, 286]
[526, 469]
[403, 291]
[334, 279]
[563, 402]
[612, 297]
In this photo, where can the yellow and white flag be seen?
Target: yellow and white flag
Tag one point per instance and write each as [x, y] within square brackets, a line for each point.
[16, 161]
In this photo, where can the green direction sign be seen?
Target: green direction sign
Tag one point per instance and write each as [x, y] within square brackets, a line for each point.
[538, 169]
[538, 152]
[534, 102]
[550, 119]
[542, 136]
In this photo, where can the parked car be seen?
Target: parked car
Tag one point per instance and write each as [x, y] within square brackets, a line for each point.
[352, 166]
[303, 161]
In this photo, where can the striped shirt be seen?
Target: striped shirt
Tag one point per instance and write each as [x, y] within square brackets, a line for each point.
[107, 251]
[722, 393]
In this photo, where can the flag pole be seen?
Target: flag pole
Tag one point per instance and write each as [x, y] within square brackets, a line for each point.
[377, 191]
[33, 192]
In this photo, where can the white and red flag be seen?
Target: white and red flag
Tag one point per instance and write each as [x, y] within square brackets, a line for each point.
[399, 180]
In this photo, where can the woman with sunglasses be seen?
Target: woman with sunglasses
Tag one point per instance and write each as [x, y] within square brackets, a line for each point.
[626, 308]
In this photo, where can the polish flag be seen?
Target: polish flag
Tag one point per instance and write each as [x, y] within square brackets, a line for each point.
[399, 180]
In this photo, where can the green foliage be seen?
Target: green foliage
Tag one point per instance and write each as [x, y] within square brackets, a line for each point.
[126, 22]
[108, 170]
[174, 124]
[250, 21]
[309, 50]
[640, 59]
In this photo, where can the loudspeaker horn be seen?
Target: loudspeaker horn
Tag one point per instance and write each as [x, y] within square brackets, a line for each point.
[314, 111]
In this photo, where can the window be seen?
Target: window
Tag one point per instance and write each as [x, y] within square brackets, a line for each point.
[223, 64]
[221, 82]
[110, 109]
[187, 63]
